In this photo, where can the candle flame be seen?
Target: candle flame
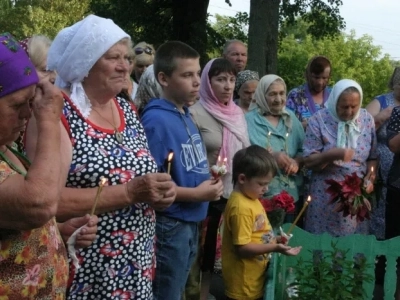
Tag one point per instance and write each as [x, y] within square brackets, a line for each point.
[269, 132]
[103, 181]
[219, 158]
[287, 134]
[225, 160]
[170, 156]
[309, 199]
[372, 169]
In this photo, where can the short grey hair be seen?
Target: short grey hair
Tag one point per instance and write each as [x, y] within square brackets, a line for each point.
[230, 42]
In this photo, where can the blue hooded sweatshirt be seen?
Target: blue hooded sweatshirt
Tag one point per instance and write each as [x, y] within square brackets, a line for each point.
[167, 129]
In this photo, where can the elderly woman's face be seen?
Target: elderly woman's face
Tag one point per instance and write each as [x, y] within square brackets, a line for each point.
[276, 97]
[110, 71]
[348, 105]
[246, 92]
[14, 112]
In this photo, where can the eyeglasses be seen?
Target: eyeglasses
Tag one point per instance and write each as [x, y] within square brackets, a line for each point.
[146, 50]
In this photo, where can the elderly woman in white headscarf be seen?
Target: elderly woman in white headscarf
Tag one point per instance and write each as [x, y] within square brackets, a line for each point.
[102, 139]
[272, 126]
[340, 140]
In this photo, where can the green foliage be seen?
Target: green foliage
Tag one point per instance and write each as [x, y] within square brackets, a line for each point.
[330, 275]
[27, 17]
[230, 28]
[351, 57]
[149, 20]
[323, 16]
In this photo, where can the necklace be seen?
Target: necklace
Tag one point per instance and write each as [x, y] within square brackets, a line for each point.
[24, 160]
[117, 134]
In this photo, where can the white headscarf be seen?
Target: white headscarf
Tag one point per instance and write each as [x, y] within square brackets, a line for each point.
[76, 49]
[331, 104]
[261, 103]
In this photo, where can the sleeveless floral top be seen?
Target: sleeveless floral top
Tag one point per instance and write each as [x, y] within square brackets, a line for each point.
[33, 263]
[120, 263]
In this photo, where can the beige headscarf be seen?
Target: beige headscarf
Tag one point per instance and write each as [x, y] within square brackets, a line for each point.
[261, 103]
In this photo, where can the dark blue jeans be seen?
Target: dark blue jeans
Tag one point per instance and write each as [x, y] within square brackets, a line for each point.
[176, 248]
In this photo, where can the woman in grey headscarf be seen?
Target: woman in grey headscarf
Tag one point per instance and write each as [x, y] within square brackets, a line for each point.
[148, 89]
[245, 88]
[103, 138]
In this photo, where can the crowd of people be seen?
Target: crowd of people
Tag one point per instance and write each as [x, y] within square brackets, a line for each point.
[113, 144]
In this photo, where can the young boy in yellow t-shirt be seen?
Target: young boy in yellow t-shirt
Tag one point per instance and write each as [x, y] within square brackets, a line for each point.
[248, 237]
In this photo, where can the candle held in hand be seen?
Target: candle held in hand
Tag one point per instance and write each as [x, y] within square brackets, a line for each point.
[286, 144]
[103, 181]
[299, 215]
[170, 157]
[269, 139]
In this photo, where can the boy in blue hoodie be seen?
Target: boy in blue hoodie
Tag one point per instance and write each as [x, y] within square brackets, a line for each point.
[169, 127]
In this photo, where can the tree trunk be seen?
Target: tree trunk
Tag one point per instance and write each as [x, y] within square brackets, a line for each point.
[190, 24]
[263, 36]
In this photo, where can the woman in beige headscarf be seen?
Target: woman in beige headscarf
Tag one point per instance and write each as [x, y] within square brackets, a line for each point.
[276, 128]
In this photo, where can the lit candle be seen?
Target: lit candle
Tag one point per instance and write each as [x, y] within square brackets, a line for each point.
[170, 156]
[103, 181]
[224, 162]
[286, 143]
[372, 169]
[219, 161]
[269, 139]
[299, 215]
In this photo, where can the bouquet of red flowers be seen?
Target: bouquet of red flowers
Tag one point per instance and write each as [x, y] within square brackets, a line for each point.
[277, 207]
[351, 196]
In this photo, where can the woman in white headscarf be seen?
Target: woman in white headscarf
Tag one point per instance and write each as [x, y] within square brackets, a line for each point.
[272, 126]
[340, 139]
[102, 137]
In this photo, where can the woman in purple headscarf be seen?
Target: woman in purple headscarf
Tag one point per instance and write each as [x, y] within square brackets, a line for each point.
[32, 256]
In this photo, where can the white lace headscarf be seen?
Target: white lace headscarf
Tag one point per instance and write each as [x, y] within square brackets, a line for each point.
[76, 49]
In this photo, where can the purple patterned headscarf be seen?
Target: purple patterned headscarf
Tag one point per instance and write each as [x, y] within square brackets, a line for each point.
[16, 69]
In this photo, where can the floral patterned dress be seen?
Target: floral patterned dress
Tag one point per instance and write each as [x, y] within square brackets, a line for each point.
[120, 263]
[321, 135]
[300, 101]
[33, 263]
[377, 223]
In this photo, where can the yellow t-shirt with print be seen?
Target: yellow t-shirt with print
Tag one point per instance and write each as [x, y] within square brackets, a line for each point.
[245, 221]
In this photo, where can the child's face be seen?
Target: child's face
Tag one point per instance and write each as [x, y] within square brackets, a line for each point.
[184, 83]
[256, 187]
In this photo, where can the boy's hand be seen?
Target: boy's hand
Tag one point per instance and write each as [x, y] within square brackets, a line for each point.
[210, 190]
[287, 250]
